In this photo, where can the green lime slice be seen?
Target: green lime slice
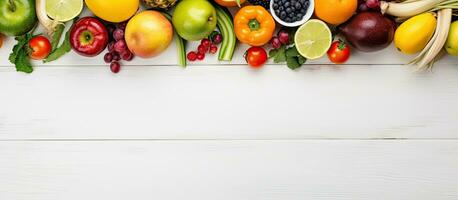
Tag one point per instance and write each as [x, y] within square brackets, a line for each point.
[313, 39]
[63, 10]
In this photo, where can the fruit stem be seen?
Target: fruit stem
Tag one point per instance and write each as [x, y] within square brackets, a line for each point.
[254, 25]
[12, 5]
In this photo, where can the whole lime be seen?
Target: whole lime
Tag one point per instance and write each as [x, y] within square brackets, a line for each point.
[17, 17]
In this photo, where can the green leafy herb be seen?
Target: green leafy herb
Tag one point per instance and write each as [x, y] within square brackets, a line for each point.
[20, 55]
[278, 55]
[64, 48]
[289, 55]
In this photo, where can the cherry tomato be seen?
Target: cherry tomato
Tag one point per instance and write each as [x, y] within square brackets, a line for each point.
[256, 57]
[41, 47]
[339, 52]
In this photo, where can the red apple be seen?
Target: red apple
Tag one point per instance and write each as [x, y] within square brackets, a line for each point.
[88, 37]
[148, 34]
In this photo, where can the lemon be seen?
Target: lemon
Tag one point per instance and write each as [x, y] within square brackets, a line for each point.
[113, 10]
[63, 10]
[414, 34]
[313, 39]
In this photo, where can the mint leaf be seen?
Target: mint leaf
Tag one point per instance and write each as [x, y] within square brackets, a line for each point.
[292, 63]
[292, 52]
[301, 60]
[23, 63]
[20, 54]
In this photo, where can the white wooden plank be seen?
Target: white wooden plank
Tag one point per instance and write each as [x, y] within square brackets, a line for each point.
[231, 102]
[228, 170]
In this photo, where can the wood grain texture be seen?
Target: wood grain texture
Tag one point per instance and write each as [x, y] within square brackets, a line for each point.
[228, 170]
[229, 102]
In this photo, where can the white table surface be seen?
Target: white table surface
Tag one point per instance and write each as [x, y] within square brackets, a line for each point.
[370, 129]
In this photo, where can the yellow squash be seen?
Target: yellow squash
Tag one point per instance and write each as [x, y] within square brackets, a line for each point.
[413, 35]
[113, 10]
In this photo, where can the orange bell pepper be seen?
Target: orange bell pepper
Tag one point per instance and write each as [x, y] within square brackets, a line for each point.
[254, 25]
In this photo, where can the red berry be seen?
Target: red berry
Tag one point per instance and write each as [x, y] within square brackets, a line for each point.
[111, 46]
[108, 58]
[213, 49]
[115, 67]
[217, 38]
[127, 55]
[275, 42]
[118, 34]
[200, 56]
[202, 49]
[373, 4]
[192, 56]
[283, 36]
[116, 56]
[120, 46]
[206, 42]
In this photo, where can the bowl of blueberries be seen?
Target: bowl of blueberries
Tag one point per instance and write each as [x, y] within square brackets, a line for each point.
[291, 13]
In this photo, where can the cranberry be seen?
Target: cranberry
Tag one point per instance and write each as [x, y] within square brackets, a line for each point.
[192, 56]
[206, 42]
[213, 49]
[200, 56]
[202, 49]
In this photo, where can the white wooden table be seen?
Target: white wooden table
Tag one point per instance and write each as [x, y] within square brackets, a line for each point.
[371, 129]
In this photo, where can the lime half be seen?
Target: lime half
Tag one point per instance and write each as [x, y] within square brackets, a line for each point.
[63, 10]
[313, 39]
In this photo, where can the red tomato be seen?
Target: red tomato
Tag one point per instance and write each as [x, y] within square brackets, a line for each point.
[256, 57]
[41, 47]
[339, 52]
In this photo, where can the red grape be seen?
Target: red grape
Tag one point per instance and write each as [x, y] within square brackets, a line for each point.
[283, 36]
[127, 55]
[217, 38]
[118, 34]
[120, 46]
[111, 46]
[115, 67]
[373, 4]
[108, 58]
[116, 56]
[213, 49]
[192, 56]
[275, 42]
[200, 56]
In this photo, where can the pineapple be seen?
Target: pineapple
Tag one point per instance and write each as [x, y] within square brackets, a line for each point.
[160, 4]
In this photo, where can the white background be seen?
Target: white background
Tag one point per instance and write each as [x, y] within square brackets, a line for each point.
[370, 129]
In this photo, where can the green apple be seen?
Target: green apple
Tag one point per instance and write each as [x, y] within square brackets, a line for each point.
[452, 41]
[17, 17]
[194, 19]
